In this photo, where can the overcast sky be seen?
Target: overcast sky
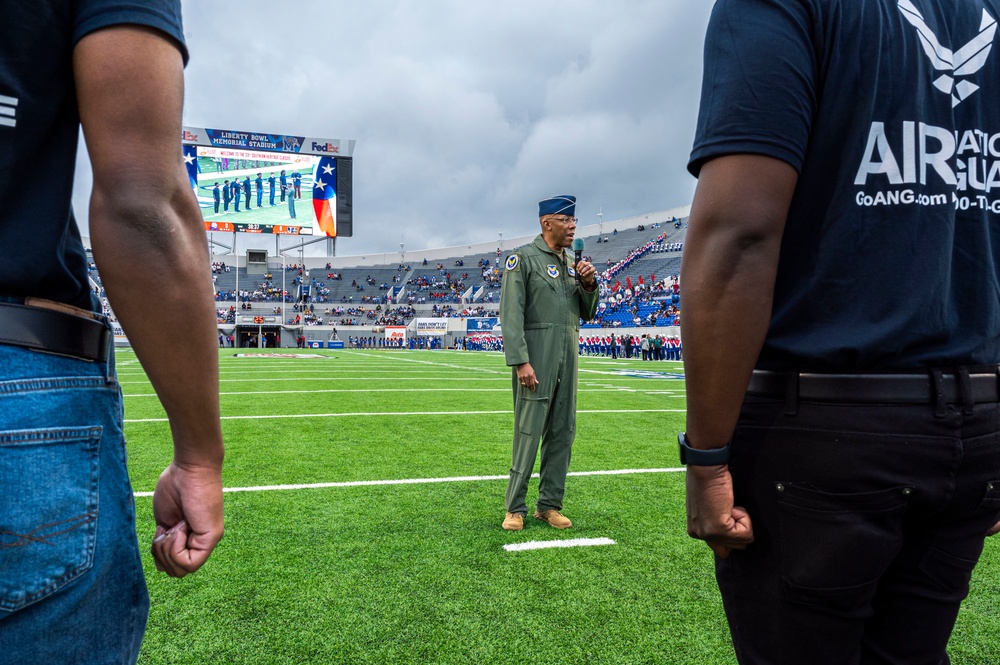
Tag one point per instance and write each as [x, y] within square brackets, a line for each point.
[465, 112]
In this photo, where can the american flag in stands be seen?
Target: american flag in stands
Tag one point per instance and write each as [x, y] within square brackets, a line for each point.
[325, 196]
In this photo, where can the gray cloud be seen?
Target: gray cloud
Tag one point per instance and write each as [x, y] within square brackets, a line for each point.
[465, 113]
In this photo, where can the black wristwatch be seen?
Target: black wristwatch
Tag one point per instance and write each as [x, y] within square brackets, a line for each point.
[695, 457]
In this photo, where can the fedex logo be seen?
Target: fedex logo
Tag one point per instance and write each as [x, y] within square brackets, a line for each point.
[325, 147]
[188, 136]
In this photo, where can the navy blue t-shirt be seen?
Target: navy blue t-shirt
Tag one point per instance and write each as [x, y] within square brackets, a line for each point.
[41, 254]
[890, 111]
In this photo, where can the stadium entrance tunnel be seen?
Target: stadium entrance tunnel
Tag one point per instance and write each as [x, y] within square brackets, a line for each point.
[258, 337]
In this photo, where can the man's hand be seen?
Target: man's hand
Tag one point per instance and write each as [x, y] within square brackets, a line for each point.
[187, 507]
[995, 530]
[587, 273]
[526, 376]
[711, 515]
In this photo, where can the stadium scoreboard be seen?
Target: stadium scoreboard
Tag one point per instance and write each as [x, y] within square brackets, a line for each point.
[254, 182]
[227, 227]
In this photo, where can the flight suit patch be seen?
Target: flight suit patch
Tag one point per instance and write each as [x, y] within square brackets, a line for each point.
[513, 261]
[552, 270]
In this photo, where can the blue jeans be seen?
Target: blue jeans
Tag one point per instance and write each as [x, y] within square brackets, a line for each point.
[72, 588]
[868, 521]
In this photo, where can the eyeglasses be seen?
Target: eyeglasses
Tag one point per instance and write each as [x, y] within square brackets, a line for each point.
[563, 220]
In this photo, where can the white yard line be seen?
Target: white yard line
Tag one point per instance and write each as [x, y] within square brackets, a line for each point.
[406, 390]
[315, 370]
[369, 414]
[451, 365]
[352, 378]
[425, 481]
[549, 544]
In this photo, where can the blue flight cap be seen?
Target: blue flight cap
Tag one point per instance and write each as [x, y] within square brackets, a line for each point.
[558, 205]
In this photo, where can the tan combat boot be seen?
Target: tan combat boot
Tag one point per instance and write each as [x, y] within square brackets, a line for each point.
[554, 518]
[513, 522]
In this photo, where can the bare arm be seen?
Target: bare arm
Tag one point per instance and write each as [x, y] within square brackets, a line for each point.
[150, 246]
[729, 265]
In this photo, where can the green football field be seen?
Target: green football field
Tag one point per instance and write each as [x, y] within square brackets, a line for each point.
[363, 522]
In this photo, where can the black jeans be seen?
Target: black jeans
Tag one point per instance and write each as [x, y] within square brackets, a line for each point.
[868, 521]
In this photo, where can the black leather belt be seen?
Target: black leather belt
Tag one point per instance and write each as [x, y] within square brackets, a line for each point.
[877, 388]
[53, 331]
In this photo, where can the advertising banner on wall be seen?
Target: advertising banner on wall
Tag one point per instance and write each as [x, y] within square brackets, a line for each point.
[481, 324]
[396, 334]
[432, 327]
[119, 333]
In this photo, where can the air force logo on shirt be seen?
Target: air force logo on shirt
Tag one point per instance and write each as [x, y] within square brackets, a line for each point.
[963, 62]
[512, 262]
[570, 271]
[931, 159]
[552, 270]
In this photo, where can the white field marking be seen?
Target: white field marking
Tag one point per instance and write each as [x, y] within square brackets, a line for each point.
[354, 378]
[549, 544]
[379, 390]
[461, 367]
[325, 370]
[617, 373]
[426, 481]
[370, 414]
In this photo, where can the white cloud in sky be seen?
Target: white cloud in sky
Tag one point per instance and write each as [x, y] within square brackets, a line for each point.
[465, 113]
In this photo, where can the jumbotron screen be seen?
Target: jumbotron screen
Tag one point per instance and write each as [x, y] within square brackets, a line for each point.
[254, 182]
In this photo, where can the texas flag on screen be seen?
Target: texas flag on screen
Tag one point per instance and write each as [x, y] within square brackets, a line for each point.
[325, 195]
[191, 164]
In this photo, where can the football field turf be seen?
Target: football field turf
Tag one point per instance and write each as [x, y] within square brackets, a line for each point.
[366, 523]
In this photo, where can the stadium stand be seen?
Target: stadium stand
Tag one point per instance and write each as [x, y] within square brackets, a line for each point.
[639, 265]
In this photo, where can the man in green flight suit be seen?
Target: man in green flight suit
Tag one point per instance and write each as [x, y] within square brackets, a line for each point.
[543, 296]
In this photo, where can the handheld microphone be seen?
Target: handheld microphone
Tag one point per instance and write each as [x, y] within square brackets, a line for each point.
[578, 252]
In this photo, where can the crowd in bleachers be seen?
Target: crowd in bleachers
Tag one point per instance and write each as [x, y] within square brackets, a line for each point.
[645, 303]
[451, 312]
[485, 342]
[646, 347]
[380, 342]
[377, 295]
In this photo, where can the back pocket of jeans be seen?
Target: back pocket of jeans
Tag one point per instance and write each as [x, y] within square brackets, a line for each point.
[48, 511]
[834, 547]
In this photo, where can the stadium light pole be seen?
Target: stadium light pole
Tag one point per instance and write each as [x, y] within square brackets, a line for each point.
[236, 259]
[284, 291]
[600, 220]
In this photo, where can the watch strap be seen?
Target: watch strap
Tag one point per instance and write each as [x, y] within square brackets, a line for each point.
[697, 457]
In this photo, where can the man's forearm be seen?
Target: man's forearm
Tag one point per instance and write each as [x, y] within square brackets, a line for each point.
[727, 306]
[727, 283]
[154, 264]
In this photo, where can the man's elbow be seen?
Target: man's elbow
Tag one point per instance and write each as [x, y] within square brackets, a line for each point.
[143, 210]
